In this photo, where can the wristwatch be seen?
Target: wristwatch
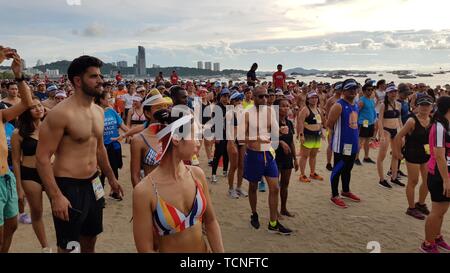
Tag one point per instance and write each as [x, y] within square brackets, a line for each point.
[21, 79]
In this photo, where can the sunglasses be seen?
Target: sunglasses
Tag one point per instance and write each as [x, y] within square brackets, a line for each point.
[263, 96]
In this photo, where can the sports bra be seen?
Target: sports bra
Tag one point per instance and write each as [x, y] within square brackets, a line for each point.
[29, 146]
[391, 113]
[138, 119]
[150, 157]
[311, 119]
[167, 219]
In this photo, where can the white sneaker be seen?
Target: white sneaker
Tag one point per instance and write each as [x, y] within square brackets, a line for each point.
[241, 192]
[225, 173]
[214, 178]
[233, 194]
[47, 250]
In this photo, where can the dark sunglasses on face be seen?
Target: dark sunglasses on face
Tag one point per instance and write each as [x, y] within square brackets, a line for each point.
[263, 96]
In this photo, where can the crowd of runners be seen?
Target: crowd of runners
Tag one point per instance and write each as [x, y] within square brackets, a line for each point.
[65, 138]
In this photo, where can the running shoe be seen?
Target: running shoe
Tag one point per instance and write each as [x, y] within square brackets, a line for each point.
[338, 202]
[115, 196]
[46, 250]
[214, 178]
[415, 213]
[315, 176]
[397, 182]
[241, 192]
[280, 229]
[442, 244]
[304, 179]
[24, 219]
[429, 248]
[254, 221]
[389, 173]
[400, 173]
[233, 194]
[351, 196]
[358, 162]
[422, 208]
[329, 167]
[225, 173]
[262, 186]
[385, 184]
[369, 160]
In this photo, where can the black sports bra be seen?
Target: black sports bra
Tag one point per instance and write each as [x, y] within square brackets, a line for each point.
[29, 146]
[311, 119]
[394, 113]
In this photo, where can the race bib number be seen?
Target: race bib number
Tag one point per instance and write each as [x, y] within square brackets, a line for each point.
[426, 147]
[318, 118]
[98, 188]
[348, 149]
[366, 123]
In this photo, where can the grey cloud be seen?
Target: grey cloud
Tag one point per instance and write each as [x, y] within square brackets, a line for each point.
[94, 30]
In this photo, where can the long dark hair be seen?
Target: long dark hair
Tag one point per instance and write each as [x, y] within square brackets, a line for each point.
[25, 123]
[254, 67]
[443, 106]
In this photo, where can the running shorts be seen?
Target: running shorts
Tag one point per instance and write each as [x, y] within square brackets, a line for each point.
[9, 202]
[258, 164]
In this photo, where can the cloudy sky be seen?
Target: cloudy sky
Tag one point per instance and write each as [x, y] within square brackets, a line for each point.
[323, 34]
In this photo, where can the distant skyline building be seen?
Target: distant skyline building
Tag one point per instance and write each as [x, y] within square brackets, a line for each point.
[208, 65]
[39, 62]
[52, 72]
[156, 66]
[216, 66]
[140, 62]
[122, 64]
[199, 65]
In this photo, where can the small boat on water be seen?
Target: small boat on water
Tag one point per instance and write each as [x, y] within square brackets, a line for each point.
[336, 77]
[380, 75]
[407, 77]
[424, 75]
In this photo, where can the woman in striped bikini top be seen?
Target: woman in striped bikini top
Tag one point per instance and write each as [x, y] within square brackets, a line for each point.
[172, 206]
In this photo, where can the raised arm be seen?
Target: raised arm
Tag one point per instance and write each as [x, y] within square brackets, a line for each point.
[24, 91]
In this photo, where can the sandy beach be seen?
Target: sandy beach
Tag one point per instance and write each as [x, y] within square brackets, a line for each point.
[319, 226]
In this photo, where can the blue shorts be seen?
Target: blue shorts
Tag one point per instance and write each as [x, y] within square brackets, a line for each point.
[259, 164]
[9, 202]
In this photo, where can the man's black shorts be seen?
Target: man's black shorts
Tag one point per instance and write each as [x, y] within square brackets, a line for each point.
[86, 214]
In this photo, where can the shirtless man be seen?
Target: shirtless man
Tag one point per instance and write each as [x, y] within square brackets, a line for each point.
[73, 133]
[259, 159]
[330, 102]
[12, 98]
[51, 92]
[10, 192]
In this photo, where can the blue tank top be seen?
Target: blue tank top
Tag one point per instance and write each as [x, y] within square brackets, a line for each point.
[345, 135]
[367, 112]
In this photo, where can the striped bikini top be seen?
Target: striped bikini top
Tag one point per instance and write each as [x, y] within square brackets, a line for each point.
[150, 157]
[168, 220]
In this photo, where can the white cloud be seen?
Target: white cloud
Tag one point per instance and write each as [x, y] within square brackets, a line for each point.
[94, 30]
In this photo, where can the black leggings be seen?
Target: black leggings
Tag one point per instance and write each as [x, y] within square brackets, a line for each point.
[115, 161]
[219, 151]
[343, 165]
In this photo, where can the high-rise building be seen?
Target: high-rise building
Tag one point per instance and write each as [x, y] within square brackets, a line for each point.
[24, 65]
[140, 62]
[156, 66]
[39, 63]
[122, 64]
[216, 66]
[208, 66]
[199, 65]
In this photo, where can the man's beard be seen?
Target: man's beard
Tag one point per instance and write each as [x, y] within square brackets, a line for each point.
[92, 92]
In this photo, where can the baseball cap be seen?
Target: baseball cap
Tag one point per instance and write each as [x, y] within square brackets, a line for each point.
[425, 100]
[61, 94]
[312, 94]
[338, 86]
[237, 96]
[391, 88]
[349, 84]
[225, 91]
[217, 84]
[52, 88]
